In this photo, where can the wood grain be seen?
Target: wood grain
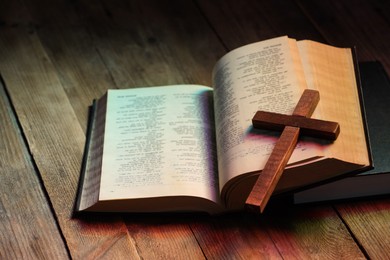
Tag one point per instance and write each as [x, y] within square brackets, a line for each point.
[243, 22]
[238, 235]
[310, 232]
[157, 43]
[268, 179]
[79, 67]
[369, 221]
[27, 223]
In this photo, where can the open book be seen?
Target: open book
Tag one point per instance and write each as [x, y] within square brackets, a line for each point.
[193, 148]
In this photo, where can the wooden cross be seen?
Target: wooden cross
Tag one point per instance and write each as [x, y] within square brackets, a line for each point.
[291, 125]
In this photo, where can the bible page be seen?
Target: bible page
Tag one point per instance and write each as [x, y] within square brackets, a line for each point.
[159, 141]
[265, 76]
[339, 97]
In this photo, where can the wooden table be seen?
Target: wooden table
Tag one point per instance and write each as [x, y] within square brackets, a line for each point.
[58, 55]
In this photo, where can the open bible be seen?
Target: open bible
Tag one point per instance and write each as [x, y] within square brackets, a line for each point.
[193, 148]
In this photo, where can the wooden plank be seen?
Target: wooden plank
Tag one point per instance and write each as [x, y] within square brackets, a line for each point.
[69, 45]
[80, 69]
[243, 22]
[56, 141]
[37, 13]
[313, 232]
[13, 13]
[164, 236]
[26, 222]
[235, 236]
[369, 221]
[282, 232]
[156, 43]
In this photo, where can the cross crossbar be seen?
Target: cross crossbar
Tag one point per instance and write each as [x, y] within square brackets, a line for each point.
[270, 175]
[308, 126]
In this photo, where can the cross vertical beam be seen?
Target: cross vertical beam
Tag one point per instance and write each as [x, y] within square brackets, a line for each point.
[269, 177]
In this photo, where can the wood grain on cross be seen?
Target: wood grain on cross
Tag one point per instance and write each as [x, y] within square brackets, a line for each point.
[291, 125]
